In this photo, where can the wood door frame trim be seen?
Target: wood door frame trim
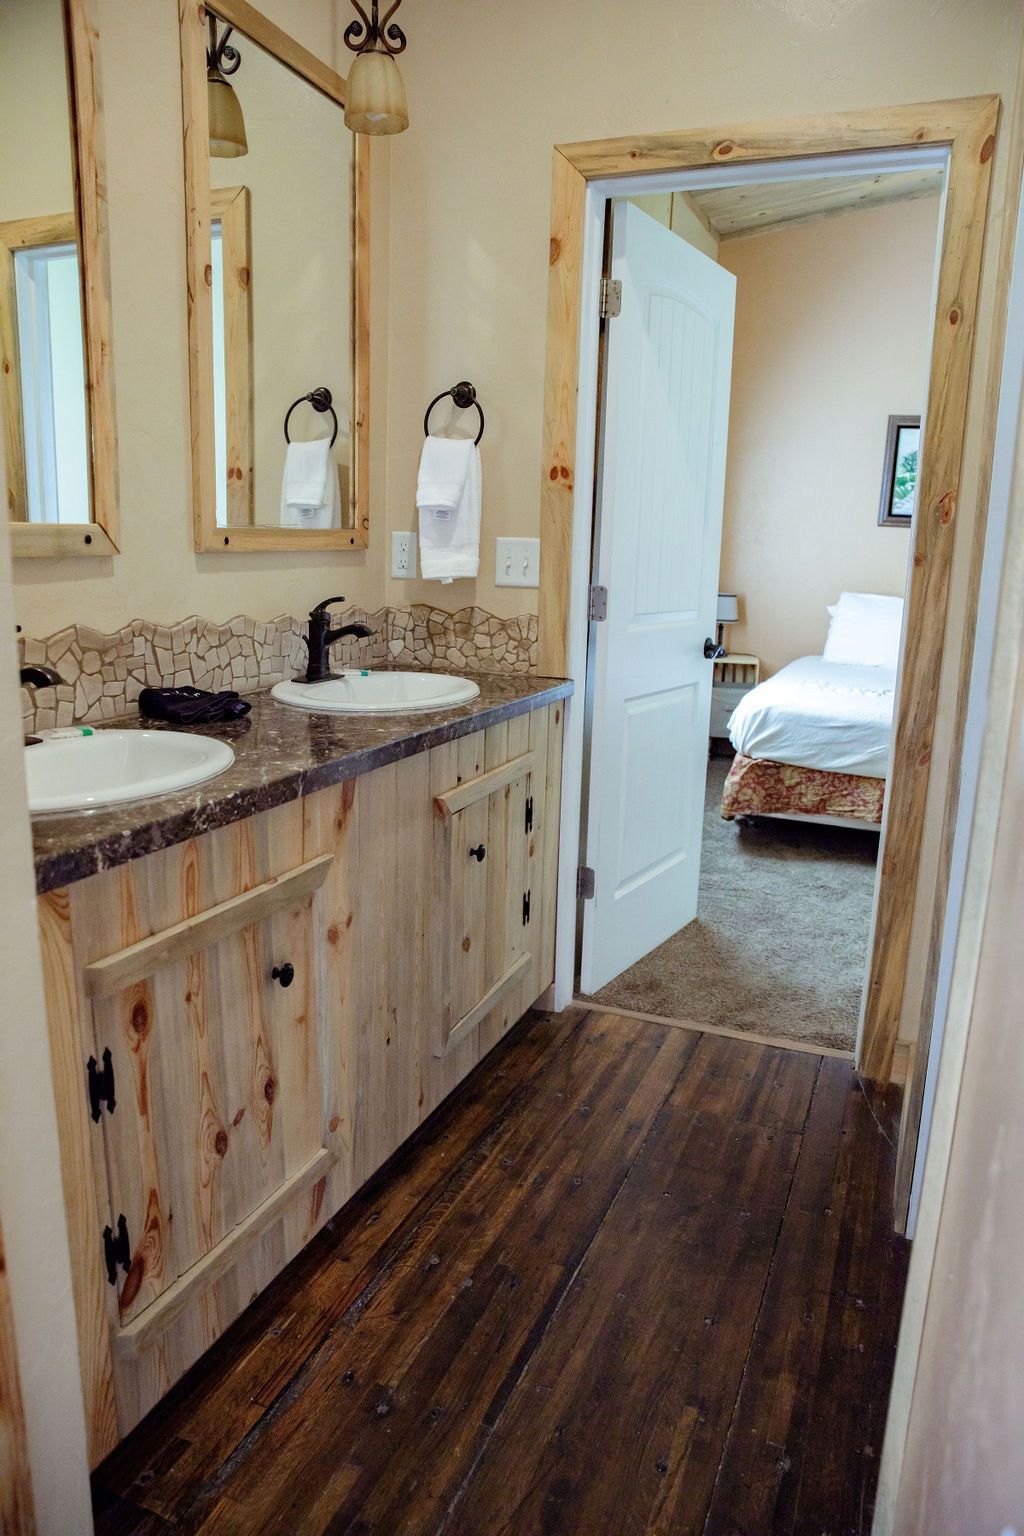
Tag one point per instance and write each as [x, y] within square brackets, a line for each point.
[196, 130]
[966, 129]
[101, 536]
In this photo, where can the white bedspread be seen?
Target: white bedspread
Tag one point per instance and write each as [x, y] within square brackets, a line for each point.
[820, 714]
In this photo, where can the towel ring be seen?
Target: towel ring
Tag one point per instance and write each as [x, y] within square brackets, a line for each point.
[320, 399]
[464, 396]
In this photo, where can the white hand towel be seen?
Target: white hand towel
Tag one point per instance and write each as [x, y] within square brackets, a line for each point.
[310, 489]
[444, 465]
[305, 473]
[448, 495]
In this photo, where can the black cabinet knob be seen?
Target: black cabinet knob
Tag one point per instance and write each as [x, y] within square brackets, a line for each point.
[285, 974]
[479, 853]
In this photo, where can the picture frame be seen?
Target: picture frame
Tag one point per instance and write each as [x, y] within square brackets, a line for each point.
[900, 472]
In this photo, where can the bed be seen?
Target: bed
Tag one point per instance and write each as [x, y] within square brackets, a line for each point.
[813, 742]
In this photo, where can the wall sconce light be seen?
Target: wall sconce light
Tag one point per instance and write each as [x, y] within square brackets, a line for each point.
[375, 96]
[227, 125]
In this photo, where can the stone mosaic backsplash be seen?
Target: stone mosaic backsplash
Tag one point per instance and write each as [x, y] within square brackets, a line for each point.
[105, 673]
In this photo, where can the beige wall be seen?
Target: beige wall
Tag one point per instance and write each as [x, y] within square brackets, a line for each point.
[833, 334]
[963, 1467]
[158, 575]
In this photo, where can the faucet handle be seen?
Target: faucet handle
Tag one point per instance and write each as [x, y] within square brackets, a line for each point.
[323, 607]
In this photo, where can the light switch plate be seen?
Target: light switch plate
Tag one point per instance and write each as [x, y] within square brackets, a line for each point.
[517, 563]
[403, 555]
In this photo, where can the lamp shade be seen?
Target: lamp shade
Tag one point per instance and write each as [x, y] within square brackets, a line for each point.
[375, 95]
[728, 608]
[227, 125]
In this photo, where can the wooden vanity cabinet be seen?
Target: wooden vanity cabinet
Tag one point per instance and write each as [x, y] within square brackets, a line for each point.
[246, 1025]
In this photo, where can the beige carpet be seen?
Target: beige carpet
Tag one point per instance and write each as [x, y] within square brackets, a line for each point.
[779, 945]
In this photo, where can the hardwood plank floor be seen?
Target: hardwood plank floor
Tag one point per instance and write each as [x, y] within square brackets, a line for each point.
[628, 1279]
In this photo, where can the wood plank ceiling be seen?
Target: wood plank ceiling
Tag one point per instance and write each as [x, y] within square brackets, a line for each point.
[736, 212]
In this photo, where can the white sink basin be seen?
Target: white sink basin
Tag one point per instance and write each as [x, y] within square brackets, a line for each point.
[75, 773]
[377, 693]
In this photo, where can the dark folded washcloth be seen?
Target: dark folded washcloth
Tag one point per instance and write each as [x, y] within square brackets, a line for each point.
[191, 706]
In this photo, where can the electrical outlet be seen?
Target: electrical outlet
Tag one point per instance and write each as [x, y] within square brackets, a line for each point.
[517, 563]
[403, 555]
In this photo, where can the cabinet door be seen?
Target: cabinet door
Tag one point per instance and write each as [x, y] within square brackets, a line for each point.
[484, 836]
[217, 1128]
[218, 1098]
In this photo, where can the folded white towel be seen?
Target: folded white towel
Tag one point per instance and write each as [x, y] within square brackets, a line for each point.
[310, 488]
[448, 495]
[305, 473]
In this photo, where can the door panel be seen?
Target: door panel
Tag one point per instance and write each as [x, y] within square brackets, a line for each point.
[656, 731]
[661, 492]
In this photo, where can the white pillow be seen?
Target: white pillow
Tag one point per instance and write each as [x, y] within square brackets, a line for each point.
[865, 629]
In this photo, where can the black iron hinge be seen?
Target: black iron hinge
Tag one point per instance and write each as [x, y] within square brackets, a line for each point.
[526, 909]
[117, 1250]
[585, 882]
[529, 814]
[101, 1084]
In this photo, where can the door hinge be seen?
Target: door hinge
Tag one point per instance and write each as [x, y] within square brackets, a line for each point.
[585, 882]
[526, 908]
[611, 298]
[597, 609]
[101, 1084]
[117, 1250]
[529, 813]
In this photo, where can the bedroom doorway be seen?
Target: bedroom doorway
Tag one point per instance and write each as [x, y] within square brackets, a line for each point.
[923, 788]
[736, 791]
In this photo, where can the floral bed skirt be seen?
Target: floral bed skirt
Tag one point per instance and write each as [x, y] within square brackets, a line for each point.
[759, 787]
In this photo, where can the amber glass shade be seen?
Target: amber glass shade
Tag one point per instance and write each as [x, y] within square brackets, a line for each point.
[227, 125]
[375, 95]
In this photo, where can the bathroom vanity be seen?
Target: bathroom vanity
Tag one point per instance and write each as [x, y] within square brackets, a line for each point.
[259, 987]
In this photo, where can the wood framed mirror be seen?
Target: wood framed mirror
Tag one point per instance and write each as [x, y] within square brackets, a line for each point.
[56, 373]
[277, 229]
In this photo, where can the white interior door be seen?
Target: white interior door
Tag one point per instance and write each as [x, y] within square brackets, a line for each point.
[661, 490]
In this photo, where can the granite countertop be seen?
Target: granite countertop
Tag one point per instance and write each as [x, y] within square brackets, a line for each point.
[280, 754]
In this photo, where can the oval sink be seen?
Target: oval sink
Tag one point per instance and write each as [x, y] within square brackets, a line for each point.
[75, 773]
[377, 693]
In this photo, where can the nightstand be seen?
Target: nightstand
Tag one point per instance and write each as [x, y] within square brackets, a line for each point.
[734, 676]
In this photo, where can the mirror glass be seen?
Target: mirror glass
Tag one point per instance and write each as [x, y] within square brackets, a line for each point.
[281, 262]
[46, 424]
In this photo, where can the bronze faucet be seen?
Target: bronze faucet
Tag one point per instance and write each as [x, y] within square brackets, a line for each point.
[321, 637]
